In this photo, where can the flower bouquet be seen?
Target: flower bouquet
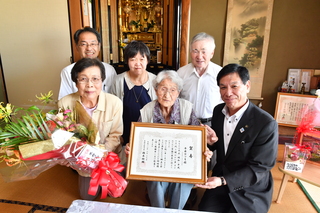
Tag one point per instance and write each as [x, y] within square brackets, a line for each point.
[32, 142]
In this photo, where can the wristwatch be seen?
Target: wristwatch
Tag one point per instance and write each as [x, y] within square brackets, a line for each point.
[222, 181]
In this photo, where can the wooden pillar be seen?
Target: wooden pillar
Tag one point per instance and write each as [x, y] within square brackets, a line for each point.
[75, 19]
[185, 27]
[114, 31]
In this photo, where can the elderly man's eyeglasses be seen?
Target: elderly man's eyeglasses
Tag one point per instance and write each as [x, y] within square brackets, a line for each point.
[86, 45]
[195, 51]
[165, 90]
[84, 80]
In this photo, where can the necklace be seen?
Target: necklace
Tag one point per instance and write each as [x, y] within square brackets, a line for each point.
[137, 98]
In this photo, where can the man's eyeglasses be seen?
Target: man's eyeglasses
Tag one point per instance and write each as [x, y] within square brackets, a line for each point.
[86, 45]
[195, 51]
[84, 80]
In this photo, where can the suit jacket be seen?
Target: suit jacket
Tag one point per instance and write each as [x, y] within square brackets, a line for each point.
[250, 156]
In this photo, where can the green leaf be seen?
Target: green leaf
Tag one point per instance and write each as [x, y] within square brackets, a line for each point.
[34, 128]
[34, 108]
[45, 124]
[42, 125]
[17, 109]
[24, 129]
[34, 136]
[5, 135]
[16, 141]
[19, 129]
[15, 129]
[53, 112]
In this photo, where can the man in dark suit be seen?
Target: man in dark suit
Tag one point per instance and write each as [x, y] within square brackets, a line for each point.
[246, 140]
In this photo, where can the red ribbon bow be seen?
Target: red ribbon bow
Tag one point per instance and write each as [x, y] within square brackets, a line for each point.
[106, 176]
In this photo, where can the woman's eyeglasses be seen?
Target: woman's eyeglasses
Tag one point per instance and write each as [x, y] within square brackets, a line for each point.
[84, 80]
[165, 90]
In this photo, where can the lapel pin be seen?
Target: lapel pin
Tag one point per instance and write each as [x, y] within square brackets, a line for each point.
[242, 142]
[242, 130]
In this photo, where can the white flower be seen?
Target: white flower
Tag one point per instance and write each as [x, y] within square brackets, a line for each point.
[59, 116]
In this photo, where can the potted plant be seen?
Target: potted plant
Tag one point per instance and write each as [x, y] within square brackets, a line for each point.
[151, 25]
[135, 25]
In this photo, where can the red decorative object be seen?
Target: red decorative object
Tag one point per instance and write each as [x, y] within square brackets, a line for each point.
[106, 176]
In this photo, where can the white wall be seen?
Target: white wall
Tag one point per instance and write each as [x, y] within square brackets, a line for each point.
[34, 46]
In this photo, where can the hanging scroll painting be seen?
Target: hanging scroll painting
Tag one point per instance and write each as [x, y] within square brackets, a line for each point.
[247, 38]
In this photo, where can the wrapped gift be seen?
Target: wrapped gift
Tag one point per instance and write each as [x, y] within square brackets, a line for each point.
[314, 144]
[58, 140]
[295, 157]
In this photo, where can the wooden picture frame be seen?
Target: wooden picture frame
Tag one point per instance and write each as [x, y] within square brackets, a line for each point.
[289, 108]
[306, 75]
[294, 81]
[247, 38]
[167, 152]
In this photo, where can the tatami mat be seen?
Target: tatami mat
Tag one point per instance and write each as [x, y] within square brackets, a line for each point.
[58, 187]
[312, 193]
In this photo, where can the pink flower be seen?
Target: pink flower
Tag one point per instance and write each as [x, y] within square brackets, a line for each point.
[294, 156]
[67, 111]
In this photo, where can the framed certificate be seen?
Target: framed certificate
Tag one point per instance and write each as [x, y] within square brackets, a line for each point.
[290, 108]
[167, 152]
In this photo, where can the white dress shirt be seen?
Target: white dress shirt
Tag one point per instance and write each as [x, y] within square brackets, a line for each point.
[230, 123]
[67, 86]
[202, 91]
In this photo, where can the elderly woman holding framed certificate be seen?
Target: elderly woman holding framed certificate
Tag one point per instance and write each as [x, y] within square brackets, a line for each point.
[168, 109]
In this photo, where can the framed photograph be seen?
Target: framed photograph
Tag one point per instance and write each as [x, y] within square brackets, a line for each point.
[294, 79]
[306, 75]
[289, 108]
[167, 152]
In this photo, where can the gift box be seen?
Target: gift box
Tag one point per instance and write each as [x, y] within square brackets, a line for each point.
[315, 153]
[295, 157]
[314, 146]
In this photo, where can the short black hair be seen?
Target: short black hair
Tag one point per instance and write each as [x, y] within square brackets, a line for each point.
[86, 29]
[85, 63]
[234, 68]
[135, 47]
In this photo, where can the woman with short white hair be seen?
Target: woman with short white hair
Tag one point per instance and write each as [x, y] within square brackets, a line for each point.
[168, 109]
